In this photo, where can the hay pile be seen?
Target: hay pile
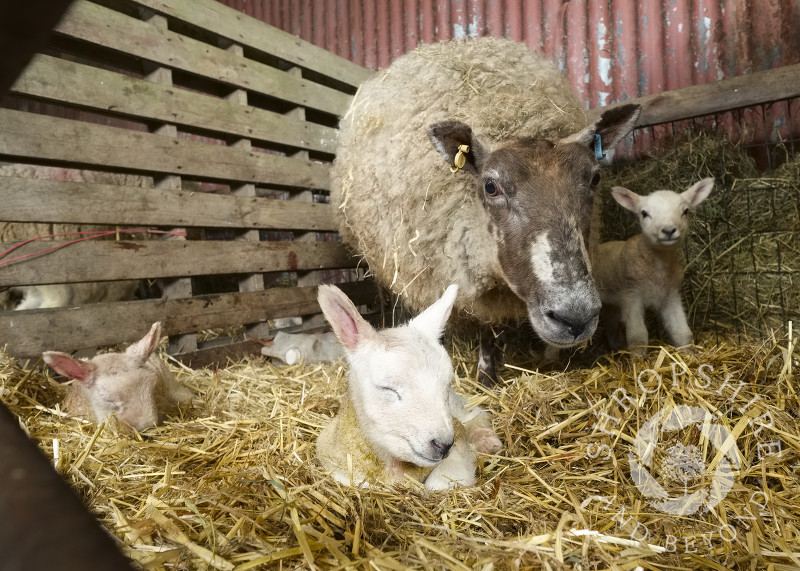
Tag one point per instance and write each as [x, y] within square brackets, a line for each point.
[230, 482]
[743, 250]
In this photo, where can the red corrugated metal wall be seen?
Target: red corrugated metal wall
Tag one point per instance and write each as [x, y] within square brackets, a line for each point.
[611, 50]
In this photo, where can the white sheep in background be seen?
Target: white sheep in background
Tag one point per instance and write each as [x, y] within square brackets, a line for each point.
[136, 385]
[57, 295]
[71, 294]
[292, 348]
[510, 227]
[400, 416]
[644, 272]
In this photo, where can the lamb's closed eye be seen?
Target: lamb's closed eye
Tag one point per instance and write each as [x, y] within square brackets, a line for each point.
[398, 418]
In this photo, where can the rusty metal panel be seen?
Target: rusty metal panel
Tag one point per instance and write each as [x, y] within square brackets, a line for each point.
[610, 50]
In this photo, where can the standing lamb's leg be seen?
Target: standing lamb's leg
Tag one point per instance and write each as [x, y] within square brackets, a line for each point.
[610, 318]
[635, 326]
[674, 319]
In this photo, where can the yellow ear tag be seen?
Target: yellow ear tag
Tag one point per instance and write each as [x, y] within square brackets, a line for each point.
[461, 159]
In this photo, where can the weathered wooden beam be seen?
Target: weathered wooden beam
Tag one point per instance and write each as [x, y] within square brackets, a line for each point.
[103, 260]
[69, 82]
[36, 200]
[724, 95]
[28, 333]
[101, 26]
[25, 28]
[41, 137]
[249, 32]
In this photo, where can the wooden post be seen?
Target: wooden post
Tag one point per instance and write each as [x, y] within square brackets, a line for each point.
[251, 282]
[314, 277]
[181, 287]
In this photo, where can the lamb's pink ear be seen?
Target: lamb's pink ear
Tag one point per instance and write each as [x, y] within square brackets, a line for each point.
[698, 192]
[433, 320]
[626, 198]
[145, 346]
[70, 367]
[348, 325]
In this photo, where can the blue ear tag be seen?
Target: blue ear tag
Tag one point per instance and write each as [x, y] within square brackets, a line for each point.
[598, 148]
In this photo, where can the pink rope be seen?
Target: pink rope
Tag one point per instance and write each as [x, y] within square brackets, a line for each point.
[91, 235]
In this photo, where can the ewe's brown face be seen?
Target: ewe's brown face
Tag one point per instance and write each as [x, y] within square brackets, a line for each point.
[538, 195]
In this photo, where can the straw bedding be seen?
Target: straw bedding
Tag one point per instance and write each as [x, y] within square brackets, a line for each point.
[231, 482]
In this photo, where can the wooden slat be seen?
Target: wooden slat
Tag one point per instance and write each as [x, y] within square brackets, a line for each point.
[104, 27]
[28, 333]
[43, 137]
[744, 91]
[69, 82]
[88, 203]
[99, 260]
[247, 31]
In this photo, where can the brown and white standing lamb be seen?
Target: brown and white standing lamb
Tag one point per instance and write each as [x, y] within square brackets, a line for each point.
[644, 272]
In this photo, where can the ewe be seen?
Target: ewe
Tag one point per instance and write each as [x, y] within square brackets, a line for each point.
[644, 272]
[510, 227]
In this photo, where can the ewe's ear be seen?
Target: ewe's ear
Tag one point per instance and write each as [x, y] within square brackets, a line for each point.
[145, 346]
[698, 192]
[613, 125]
[447, 136]
[432, 320]
[70, 367]
[348, 325]
[626, 198]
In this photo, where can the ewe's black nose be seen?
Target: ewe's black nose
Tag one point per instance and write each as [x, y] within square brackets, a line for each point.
[574, 325]
[441, 447]
[669, 232]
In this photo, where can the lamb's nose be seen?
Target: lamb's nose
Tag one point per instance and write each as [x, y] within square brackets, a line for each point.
[441, 447]
[669, 232]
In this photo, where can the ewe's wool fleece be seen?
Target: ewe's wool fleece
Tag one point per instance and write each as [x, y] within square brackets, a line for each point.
[418, 226]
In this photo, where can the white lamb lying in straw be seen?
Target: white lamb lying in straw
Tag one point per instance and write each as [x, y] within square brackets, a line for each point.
[136, 386]
[400, 416]
[644, 272]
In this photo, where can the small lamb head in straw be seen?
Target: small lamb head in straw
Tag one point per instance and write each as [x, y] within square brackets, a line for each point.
[538, 194]
[400, 378]
[135, 385]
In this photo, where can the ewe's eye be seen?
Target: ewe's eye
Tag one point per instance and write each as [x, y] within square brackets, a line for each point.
[492, 188]
[596, 179]
[389, 391]
[645, 214]
[686, 212]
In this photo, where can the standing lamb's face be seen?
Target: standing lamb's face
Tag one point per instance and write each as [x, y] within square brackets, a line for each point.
[664, 215]
[538, 195]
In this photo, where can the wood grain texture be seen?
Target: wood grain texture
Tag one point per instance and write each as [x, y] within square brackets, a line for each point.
[104, 27]
[252, 33]
[64, 81]
[102, 260]
[28, 333]
[89, 203]
[716, 97]
[26, 135]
